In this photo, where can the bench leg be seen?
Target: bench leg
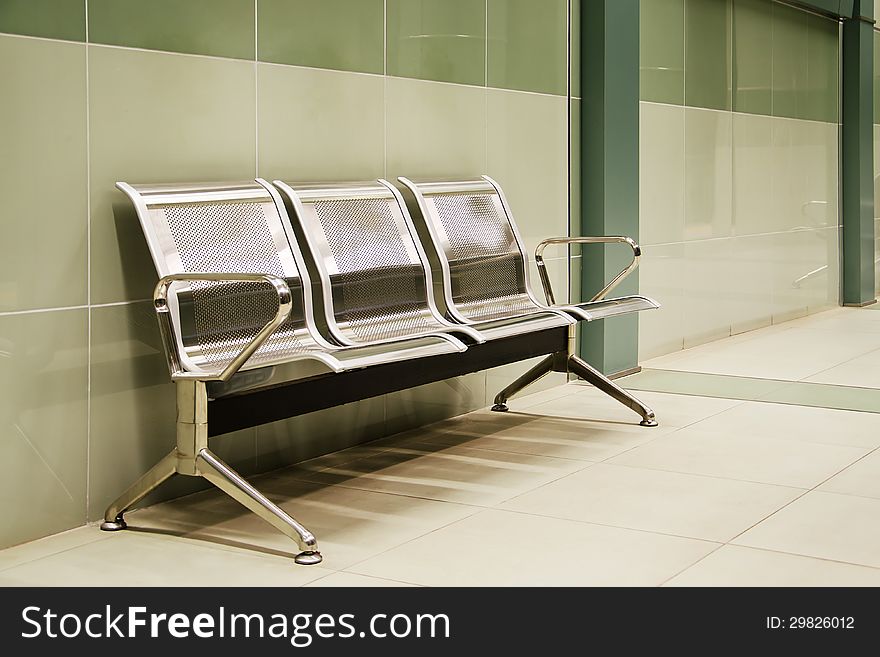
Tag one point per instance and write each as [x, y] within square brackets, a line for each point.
[113, 517]
[588, 373]
[231, 483]
[538, 371]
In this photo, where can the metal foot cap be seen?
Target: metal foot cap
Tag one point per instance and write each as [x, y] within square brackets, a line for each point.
[648, 423]
[308, 558]
[113, 525]
[500, 408]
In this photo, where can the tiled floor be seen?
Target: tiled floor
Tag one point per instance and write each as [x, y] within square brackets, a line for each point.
[754, 477]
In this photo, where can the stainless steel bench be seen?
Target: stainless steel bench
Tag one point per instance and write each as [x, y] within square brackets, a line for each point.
[264, 319]
[485, 274]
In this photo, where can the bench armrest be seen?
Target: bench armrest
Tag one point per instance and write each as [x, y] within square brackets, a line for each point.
[160, 304]
[611, 239]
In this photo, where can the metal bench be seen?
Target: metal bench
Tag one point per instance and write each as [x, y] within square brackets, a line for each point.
[485, 274]
[257, 329]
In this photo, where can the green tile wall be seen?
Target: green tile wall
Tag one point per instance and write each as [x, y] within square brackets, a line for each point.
[661, 52]
[752, 56]
[340, 34]
[527, 45]
[876, 77]
[52, 19]
[170, 91]
[752, 78]
[707, 69]
[224, 28]
[48, 115]
[438, 40]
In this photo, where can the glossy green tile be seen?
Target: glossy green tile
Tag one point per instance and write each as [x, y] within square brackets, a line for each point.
[752, 56]
[708, 178]
[790, 59]
[133, 409]
[575, 50]
[755, 162]
[877, 77]
[43, 423]
[319, 124]
[224, 28]
[661, 51]
[199, 125]
[662, 173]
[574, 187]
[53, 19]
[822, 96]
[805, 65]
[437, 40]
[43, 249]
[528, 155]
[434, 130]
[708, 53]
[341, 34]
[528, 45]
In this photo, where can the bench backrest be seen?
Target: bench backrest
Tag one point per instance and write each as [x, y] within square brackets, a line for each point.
[374, 275]
[481, 254]
[224, 228]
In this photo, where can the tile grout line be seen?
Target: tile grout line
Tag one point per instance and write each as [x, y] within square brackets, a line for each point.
[88, 463]
[298, 66]
[256, 94]
[806, 492]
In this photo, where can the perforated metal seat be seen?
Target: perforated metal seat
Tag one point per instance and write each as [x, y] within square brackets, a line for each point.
[374, 274]
[483, 260]
[236, 235]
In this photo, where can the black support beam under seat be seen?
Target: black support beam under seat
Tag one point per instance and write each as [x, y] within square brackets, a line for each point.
[302, 396]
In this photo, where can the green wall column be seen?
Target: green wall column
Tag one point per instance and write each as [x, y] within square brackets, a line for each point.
[857, 152]
[610, 168]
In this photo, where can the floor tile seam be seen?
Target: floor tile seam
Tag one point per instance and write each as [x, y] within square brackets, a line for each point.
[197, 542]
[502, 451]
[688, 567]
[806, 492]
[729, 434]
[708, 476]
[594, 523]
[348, 568]
[797, 554]
[766, 398]
[676, 429]
[346, 572]
[846, 362]
[53, 554]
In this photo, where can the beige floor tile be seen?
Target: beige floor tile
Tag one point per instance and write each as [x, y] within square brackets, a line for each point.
[863, 371]
[350, 525]
[775, 353]
[732, 565]
[672, 411]
[668, 502]
[823, 525]
[744, 456]
[861, 478]
[138, 559]
[453, 474]
[529, 400]
[797, 423]
[46, 547]
[497, 548]
[353, 580]
[840, 320]
[521, 433]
